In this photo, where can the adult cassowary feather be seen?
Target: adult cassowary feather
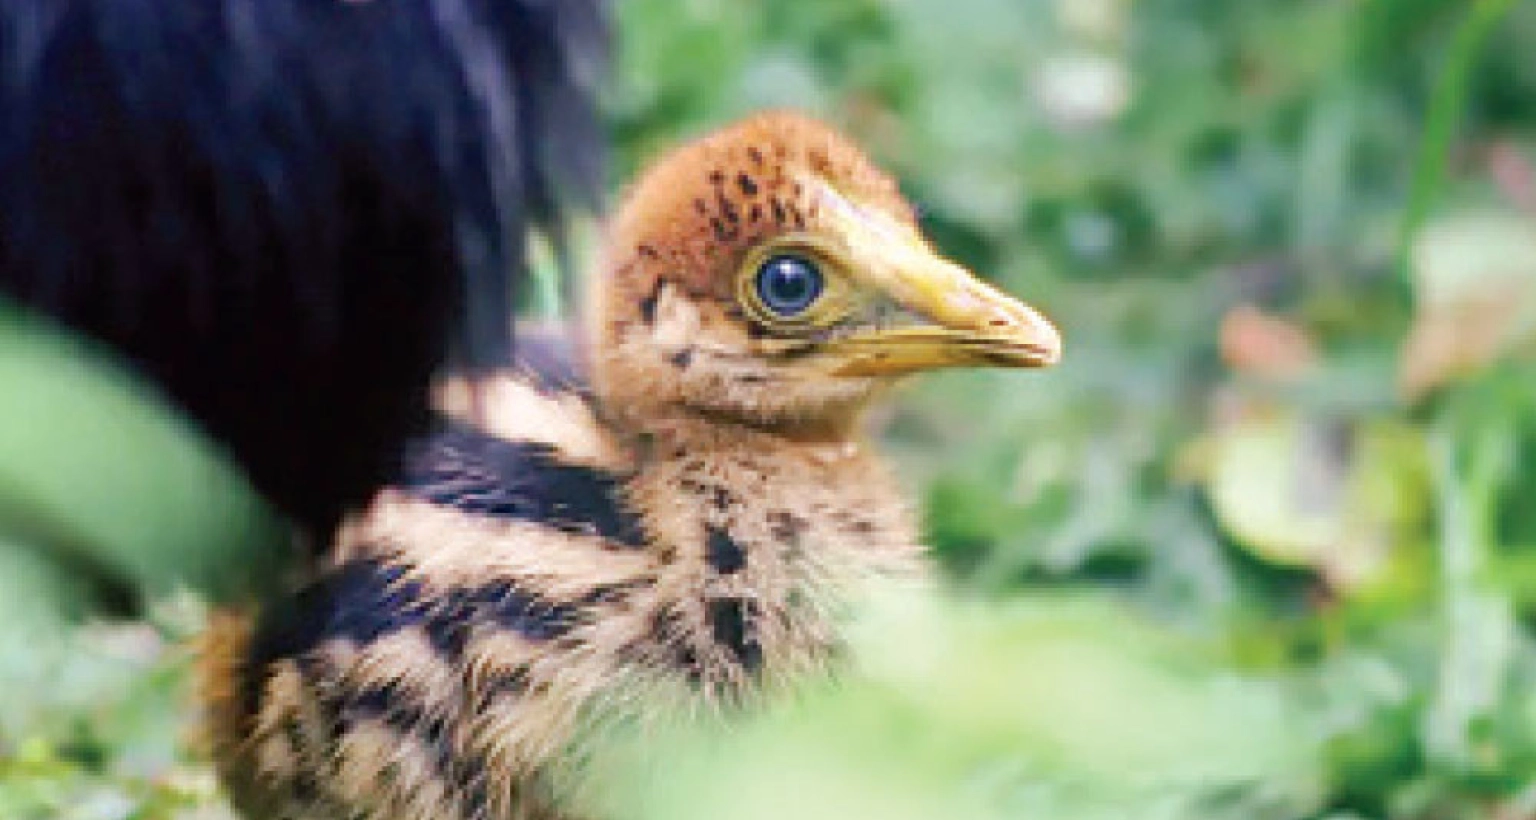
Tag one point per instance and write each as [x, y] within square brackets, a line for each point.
[289, 213]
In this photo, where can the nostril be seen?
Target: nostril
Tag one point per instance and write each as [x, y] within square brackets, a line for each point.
[999, 322]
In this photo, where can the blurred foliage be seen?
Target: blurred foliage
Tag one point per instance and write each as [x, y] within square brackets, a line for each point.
[75, 434]
[1263, 546]
[994, 711]
[107, 504]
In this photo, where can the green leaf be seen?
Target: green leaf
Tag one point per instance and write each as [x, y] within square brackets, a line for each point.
[97, 474]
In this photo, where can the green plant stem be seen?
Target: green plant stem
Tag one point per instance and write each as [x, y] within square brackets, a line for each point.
[1445, 111]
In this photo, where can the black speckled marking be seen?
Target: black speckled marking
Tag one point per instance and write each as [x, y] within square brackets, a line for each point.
[779, 216]
[648, 304]
[785, 525]
[746, 184]
[617, 594]
[681, 358]
[724, 554]
[727, 208]
[666, 630]
[505, 683]
[301, 777]
[728, 622]
[722, 233]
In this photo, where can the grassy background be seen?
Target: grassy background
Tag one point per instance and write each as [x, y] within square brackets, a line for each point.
[1264, 545]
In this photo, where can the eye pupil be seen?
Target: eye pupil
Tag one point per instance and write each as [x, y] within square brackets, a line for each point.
[788, 284]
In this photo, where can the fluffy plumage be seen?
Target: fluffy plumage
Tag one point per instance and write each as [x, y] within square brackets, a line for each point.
[681, 536]
[289, 213]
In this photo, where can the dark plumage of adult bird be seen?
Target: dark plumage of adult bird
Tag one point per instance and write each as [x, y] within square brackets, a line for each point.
[676, 533]
[289, 214]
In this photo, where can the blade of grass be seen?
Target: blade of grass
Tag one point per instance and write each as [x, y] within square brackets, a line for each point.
[1446, 107]
[1469, 462]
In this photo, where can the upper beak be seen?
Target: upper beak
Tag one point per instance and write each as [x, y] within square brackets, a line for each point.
[957, 319]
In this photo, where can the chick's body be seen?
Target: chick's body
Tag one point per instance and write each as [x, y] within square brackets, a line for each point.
[679, 536]
[467, 635]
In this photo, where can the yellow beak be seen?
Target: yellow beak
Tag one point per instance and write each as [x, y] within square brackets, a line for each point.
[956, 320]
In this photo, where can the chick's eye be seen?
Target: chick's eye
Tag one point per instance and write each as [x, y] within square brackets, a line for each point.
[788, 284]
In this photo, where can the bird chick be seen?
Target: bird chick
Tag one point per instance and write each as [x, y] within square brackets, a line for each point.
[677, 535]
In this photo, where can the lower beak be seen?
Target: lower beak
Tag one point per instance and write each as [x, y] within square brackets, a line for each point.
[895, 352]
[958, 321]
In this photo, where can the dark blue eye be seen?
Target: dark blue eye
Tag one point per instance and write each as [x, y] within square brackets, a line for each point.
[788, 284]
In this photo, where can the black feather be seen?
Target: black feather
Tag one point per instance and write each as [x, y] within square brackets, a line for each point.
[363, 601]
[482, 475]
[289, 213]
[725, 556]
